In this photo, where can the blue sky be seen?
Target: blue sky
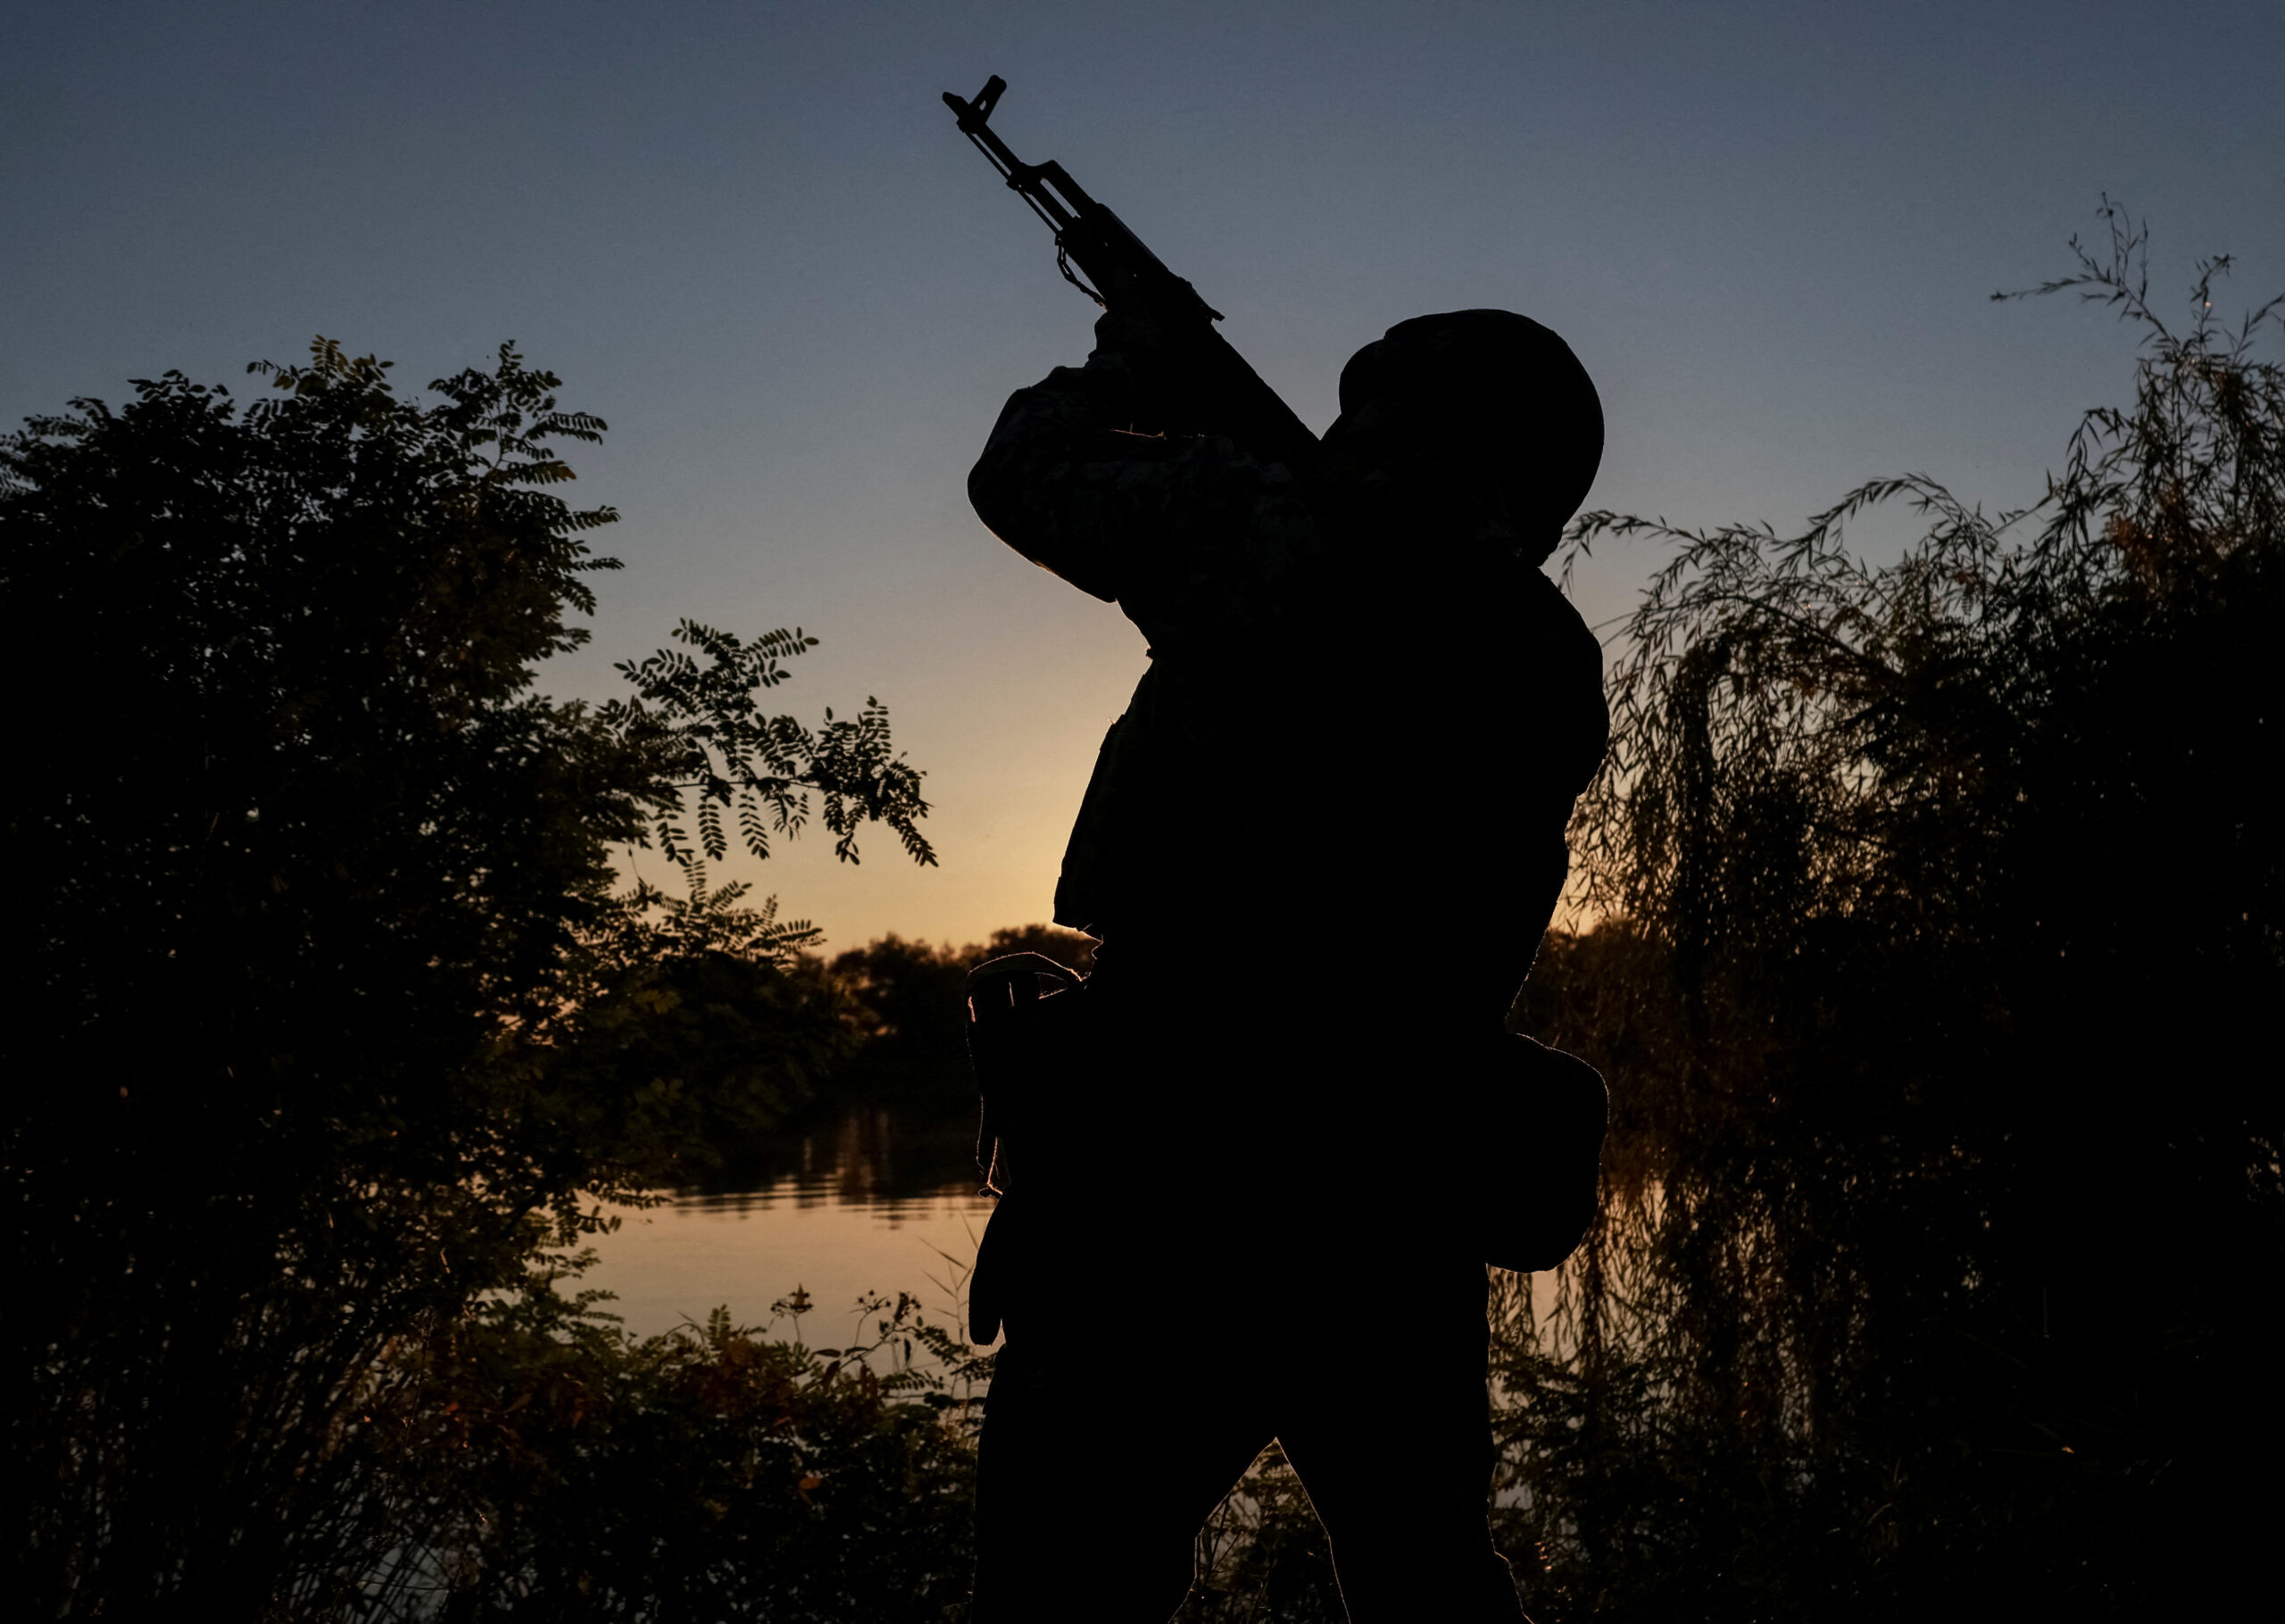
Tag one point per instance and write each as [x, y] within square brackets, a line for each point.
[750, 238]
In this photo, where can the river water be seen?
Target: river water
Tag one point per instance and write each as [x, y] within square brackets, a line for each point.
[874, 1203]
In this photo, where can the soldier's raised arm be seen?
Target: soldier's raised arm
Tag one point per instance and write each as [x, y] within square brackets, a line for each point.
[1171, 527]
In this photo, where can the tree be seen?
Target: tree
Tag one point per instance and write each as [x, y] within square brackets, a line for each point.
[325, 1012]
[1941, 913]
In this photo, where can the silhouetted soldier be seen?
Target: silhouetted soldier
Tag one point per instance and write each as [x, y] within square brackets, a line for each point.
[1367, 716]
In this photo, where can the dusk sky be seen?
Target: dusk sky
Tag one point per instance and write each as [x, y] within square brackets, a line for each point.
[750, 238]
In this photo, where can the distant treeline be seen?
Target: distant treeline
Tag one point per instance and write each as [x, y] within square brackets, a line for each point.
[893, 1018]
[908, 1003]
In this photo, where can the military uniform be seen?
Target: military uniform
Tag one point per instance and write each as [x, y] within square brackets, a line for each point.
[1365, 740]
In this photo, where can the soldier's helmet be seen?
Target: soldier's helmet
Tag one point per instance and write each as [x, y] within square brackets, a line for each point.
[1484, 397]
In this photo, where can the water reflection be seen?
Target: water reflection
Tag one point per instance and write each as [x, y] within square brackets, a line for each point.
[877, 1157]
[873, 1200]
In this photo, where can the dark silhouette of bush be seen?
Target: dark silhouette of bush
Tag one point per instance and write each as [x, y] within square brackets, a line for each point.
[710, 1473]
[1941, 905]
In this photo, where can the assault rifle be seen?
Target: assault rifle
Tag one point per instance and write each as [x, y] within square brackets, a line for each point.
[1222, 394]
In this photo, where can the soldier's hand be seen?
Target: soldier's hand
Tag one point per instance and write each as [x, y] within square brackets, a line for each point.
[1134, 333]
[1159, 362]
